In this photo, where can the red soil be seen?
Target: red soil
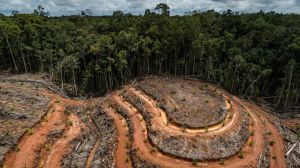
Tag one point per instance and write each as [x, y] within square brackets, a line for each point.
[29, 144]
[122, 158]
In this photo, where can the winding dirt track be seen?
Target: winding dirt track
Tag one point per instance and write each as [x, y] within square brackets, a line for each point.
[26, 154]
[277, 150]
[60, 148]
[122, 157]
[35, 140]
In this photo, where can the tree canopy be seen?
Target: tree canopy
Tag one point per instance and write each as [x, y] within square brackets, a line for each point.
[251, 55]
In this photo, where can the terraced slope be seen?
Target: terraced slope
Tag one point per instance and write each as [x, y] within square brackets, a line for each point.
[155, 122]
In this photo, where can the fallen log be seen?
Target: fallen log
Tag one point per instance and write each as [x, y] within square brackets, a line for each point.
[290, 150]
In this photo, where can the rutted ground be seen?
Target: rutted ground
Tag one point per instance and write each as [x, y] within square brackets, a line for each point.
[156, 122]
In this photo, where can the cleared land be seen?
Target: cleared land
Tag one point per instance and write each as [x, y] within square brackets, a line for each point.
[154, 122]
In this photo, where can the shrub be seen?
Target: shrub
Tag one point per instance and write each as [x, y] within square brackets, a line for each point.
[30, 131]
[221, 161]
[241, 154]
[47, 147]
[127, 159]
[17, 149]
[152, 150]
[251, 143]
[195, 162]
[67, 112]
[57, 101]
[272, 142]
[69, 123]
[206, 129]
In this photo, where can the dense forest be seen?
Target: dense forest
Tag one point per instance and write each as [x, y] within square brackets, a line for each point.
[254, 55]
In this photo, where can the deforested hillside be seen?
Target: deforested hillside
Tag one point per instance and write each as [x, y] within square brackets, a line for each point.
[151, 122]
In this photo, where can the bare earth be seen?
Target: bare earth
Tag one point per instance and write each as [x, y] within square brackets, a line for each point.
[136, 126]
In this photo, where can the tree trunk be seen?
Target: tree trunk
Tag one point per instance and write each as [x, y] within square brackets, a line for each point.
[175, 61]
[23, 59]
[62, 79]
[288, 92]
[3, 61]
[12, 56]
[74, 81]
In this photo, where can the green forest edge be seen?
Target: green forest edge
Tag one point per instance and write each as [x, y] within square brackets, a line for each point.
[253, 55]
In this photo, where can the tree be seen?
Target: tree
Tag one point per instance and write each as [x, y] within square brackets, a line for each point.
[118, 14]
[40, 10]
[246, 54]
[70, 64]
[14, 12]
[286, 82]
[163, 8]
[87, 12]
